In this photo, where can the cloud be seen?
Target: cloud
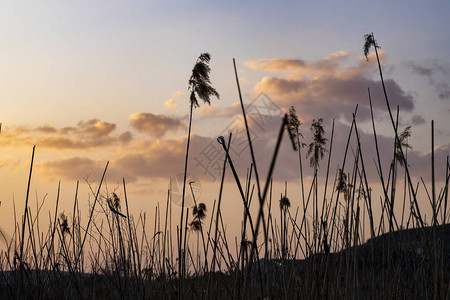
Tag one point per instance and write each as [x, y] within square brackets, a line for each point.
[420, 70]
[332, 89]
[80, 168]
[208, 111]
[96, 128]
[329, 88]
[138, 160]
[274, 85]
[89, 134]
[161, 158]
[328, 64]
[417, 120]
[158, 159]
[69, 168]
[46, 129]
[216, 111]
[170, 103]
[155, 125]
[207, 161]
[437, 74]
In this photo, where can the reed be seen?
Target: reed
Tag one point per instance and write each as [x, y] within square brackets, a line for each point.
[314, 247]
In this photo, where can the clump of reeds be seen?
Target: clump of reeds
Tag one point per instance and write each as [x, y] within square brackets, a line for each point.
[313, 251]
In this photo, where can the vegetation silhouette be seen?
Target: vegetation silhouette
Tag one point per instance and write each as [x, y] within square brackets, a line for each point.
[308, 253]
[200, 88]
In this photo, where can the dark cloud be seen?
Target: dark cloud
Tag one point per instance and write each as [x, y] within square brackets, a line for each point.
[208, 160]
[417, 120]
[436, 73]
[155, 125]
[330, 88]
[445, 94]
[330, 97]
[420, 70]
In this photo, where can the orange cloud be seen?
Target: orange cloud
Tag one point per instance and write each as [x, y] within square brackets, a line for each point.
[140, 161]
[87, 134]
[328, 64]
[171, 104]
[208, 110]
[70, 168]
[160, 158]
[274, 85]
[96, 128]
[80, 168]
[155, 125]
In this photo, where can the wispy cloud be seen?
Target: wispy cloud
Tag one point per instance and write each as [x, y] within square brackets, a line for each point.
[417, 120]
[437, 74]
[209, 111]
[170, 104]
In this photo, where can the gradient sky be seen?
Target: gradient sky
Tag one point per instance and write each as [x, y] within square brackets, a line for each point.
[91, 81]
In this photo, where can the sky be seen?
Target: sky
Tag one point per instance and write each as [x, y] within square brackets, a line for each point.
[90, 82]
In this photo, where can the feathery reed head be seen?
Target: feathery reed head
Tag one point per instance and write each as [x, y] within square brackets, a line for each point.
[317, 149]
[293, 123]
[64, 224]
[285, 203]
[200, 83]
[369, 41]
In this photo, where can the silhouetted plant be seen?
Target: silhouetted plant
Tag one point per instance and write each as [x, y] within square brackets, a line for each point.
[64, 224]
[316, 151]
[341, 185]
[284, 203]
[114, 205]
[199, 213]
[317, 148]
[369, 41]
[294, 133]
[403, 142]
[200, 83]
[196, 225]
[132, 264]
[200, 87]
[293, 129]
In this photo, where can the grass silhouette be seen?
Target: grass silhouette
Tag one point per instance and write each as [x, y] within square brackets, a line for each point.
[311, 253]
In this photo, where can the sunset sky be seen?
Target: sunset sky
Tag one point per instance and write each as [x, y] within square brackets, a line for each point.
[92, 81]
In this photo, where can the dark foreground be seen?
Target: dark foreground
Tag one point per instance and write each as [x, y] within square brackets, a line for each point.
[408, 264]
